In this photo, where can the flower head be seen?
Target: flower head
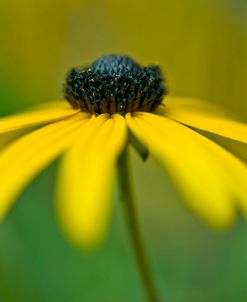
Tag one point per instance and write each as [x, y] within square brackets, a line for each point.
[108, 98]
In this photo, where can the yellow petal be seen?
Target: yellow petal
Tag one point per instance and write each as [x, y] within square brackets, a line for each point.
[38, 115]
[202, 115]
[25, 158]
[194, 105]
[235, 170]
[86, 180]
[198, 175]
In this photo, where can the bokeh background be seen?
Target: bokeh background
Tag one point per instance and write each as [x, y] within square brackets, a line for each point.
[202, 46]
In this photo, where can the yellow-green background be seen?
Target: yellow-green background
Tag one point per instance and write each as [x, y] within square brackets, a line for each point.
[202, 46]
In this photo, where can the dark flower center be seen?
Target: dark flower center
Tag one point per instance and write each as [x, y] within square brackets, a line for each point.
[115, 84]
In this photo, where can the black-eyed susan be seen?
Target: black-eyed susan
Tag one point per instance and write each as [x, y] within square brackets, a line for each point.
[112, 102]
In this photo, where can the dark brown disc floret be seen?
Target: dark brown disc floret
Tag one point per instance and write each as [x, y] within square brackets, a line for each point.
[115, 84]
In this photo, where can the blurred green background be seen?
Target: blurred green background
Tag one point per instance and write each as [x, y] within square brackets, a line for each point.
[202, 46]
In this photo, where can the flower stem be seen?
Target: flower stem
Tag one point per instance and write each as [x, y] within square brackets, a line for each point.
[132, 220]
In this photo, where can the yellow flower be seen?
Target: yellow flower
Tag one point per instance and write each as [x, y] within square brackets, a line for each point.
[210, 179]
